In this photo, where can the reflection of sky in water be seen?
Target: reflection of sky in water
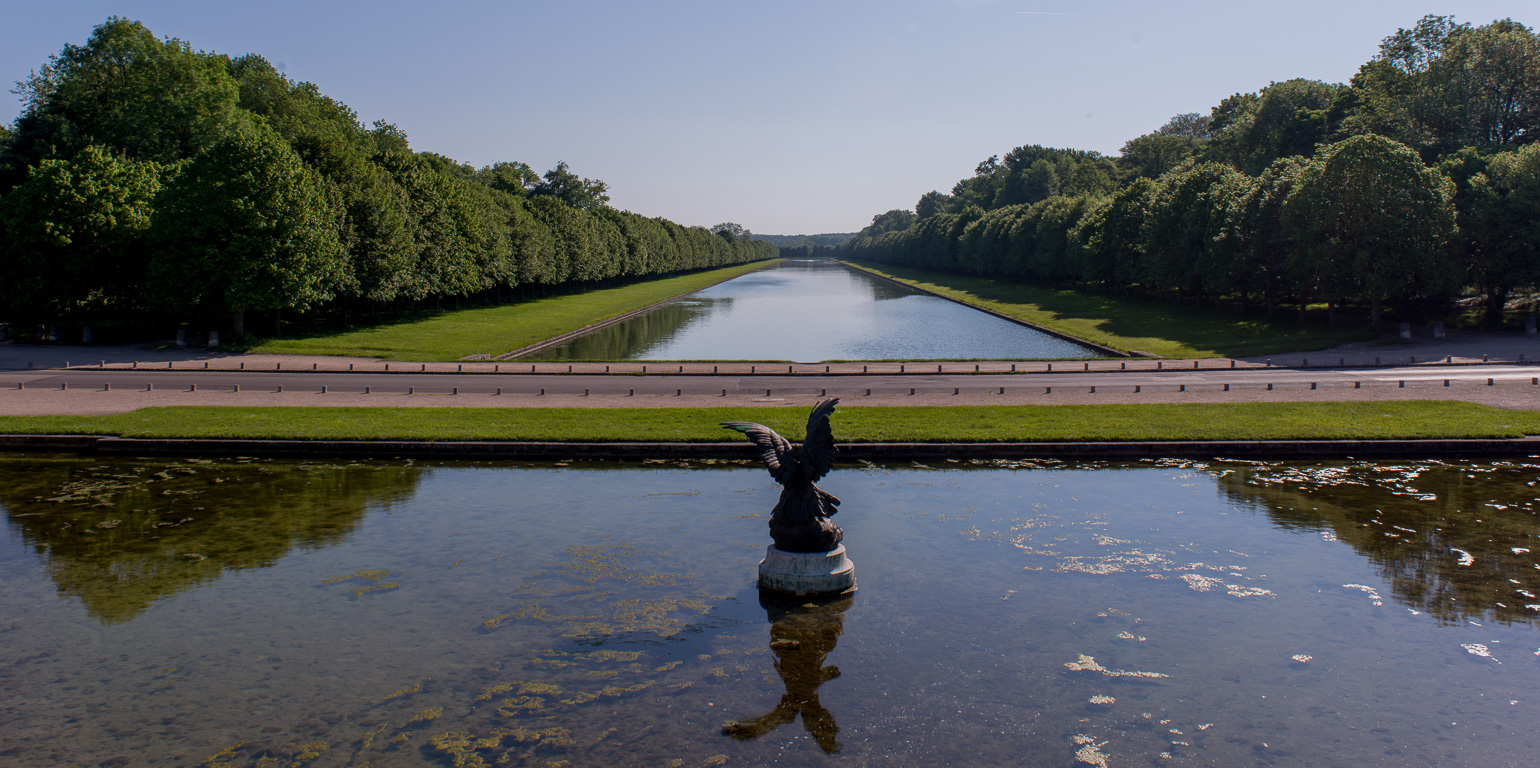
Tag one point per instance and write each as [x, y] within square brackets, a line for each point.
[813, 311]
[1229, 614]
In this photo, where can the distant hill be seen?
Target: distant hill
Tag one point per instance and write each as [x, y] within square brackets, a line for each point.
[792, 241]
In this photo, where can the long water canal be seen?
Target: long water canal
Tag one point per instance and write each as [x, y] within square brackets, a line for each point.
[813, 311]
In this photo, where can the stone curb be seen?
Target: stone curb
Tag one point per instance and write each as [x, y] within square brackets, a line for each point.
[1269, 449]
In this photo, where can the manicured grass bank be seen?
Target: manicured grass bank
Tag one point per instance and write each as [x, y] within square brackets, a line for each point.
[1159, 328]
[452, 335]
[1064, 423]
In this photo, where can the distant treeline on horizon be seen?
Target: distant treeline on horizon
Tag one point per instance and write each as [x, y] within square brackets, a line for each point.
[146, 180]
[1412, 185]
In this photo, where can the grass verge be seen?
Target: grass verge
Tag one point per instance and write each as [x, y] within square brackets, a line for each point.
[1156, 327]
[1028, 423]
[451, 335]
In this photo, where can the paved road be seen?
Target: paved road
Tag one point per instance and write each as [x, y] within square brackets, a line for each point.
[738, 385]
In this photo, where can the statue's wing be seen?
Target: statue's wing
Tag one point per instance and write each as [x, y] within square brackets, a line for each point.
[774, 450]
[818, 448]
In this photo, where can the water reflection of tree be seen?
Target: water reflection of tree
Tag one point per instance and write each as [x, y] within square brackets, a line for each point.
[120, 535]
[1459, 541]
[629, 338]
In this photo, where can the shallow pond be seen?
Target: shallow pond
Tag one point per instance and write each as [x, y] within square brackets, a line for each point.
[172, 612]
[809, 311]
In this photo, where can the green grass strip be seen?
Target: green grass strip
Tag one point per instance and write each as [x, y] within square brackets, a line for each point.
[451, 335]
[1156, 327]
[1027, 423]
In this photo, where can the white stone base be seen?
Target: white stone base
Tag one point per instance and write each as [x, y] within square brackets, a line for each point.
[807, 573]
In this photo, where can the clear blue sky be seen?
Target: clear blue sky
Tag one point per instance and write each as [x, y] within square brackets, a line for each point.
[785, 116]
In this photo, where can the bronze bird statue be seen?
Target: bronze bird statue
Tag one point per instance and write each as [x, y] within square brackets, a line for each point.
[800, 521]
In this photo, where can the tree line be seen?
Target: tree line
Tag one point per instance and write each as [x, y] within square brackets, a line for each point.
[1412, 185]
[146, 179]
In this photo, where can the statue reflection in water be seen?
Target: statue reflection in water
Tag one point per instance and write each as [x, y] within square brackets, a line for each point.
[802, 635]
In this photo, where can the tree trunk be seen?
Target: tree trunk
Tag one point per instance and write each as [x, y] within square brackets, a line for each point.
[1374, 312]
[238, 323]
[1331, 312]
[277, 322]
[1496, 300]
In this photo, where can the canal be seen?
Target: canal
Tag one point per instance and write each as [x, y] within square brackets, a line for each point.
[813, 311]
[390, 613]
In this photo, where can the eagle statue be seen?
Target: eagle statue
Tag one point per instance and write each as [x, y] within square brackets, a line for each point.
[800, 520]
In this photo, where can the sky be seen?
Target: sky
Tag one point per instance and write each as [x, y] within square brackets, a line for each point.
[784, 116]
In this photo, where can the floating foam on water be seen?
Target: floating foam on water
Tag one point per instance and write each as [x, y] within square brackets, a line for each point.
[1373, 593]
[1088, 664]
[1477, 649]
[1302, 658]
[1466, 558]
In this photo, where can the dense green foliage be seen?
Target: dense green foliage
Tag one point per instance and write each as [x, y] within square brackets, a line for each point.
[1416, 180]
[144, 178]
[908, 424]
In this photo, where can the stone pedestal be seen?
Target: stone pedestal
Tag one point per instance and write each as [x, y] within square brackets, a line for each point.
[1529, 325]
[85, 335]
[1438, 329]
[1406, 330]
[181, 338]
[807, 573]
[213, 339]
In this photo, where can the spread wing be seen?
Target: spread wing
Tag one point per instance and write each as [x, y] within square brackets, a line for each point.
[774, 450]
[818, 448]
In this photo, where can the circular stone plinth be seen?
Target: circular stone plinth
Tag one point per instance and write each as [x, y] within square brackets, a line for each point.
[807, 573]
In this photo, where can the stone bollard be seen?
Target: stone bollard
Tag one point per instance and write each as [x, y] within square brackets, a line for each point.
[213, 339]
[181, 338]
[85, 335]
[1438, 329]
[1406, 330]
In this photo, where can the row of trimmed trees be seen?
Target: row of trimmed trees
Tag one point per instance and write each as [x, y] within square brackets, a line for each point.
[143, 177]
[1417, 182]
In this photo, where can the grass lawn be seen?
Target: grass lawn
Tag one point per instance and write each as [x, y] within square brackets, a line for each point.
[451, 335]
[1058, 423]
[1156, 327]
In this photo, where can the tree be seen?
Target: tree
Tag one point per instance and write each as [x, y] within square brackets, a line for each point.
[931, 203]
[1369, 219]
[731, 232]
[1254, 235]
[895, 220]
[1113, 235]
[1180, 225]
[514, 178]
[1191, 124]
[244, 227]
[76, 232]
[584, 194]
[1498, 200]
[147, 98]
[1152, 155]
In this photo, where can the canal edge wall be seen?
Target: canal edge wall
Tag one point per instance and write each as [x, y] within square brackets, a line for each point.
[1090, 451]
[1106, 350]
[591, 327]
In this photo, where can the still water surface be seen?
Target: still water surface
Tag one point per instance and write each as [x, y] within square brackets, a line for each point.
[809, 311]
[185, 613]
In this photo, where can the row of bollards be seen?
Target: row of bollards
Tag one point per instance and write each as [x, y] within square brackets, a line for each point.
[903, 368]
[770, 392]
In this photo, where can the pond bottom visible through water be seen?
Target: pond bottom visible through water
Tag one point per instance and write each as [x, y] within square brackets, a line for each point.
[249, 613]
